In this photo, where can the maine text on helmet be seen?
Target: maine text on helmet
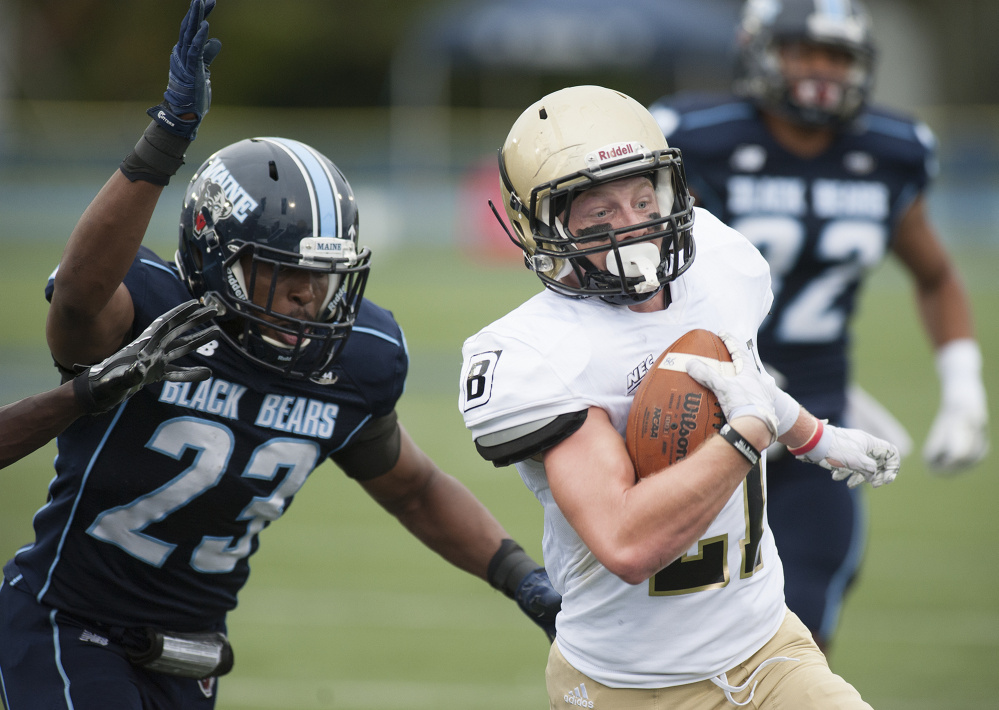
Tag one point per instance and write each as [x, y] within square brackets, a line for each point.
[242, 203]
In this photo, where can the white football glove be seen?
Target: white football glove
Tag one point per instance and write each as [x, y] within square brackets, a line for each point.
[855, 455]
[959, 436]
[749, 392]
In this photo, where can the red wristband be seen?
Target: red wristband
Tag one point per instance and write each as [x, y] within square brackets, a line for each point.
[812, 441]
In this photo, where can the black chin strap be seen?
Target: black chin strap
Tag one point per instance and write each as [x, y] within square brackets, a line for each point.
[631, 299]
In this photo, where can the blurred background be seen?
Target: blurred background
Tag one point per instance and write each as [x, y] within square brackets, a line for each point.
[412, 98]
[409, 97]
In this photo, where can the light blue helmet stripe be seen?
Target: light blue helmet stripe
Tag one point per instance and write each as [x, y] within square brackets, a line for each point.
[317, 177]
[836, 8]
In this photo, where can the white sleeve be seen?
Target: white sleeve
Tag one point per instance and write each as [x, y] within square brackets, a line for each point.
[506, 383]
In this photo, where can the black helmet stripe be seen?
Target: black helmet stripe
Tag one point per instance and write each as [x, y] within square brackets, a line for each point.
[322, 188]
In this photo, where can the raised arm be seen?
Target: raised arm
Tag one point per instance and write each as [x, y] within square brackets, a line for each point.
[91, 313]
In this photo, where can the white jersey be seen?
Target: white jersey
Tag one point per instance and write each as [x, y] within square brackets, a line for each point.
[556, 355]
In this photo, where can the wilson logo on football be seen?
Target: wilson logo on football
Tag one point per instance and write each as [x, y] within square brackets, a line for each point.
[691, 408]
[672, 414]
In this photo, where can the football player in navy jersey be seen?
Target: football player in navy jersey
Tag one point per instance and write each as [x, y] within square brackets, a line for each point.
[140, 551]
[825, 185]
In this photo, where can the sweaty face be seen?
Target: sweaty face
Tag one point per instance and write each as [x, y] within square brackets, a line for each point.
[297, 293]
[613, 205]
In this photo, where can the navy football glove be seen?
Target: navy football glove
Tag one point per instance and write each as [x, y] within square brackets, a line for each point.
[148, 359]
[513, 572]
[189, 88]
[538, 599]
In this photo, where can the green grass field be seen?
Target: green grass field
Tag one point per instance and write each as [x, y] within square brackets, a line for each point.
[345, 610]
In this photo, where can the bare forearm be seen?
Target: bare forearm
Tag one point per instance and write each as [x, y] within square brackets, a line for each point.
[802, 430]
[30, 423]
[943, 303]
[682, 501]
[671, 510]
[637, 528]
[451, 521]
[91, 311]
[945, 311]
[103, 244]
[438, 509]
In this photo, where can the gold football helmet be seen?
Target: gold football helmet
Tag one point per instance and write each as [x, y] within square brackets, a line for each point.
[568, 142]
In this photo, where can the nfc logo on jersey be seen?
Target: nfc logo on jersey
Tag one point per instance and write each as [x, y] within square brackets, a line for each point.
[478, 379]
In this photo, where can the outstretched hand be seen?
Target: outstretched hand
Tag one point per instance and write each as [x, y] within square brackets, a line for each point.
[538, 599]
[855, 456]
[149, 358]
[189, 87]
[958, 438]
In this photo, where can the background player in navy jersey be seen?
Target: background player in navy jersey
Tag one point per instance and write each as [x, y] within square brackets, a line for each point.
[33, 421]
[825, 185]
[139, 553]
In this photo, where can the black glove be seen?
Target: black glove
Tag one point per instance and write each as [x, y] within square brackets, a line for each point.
[513, 572]
[189, 87]
[538, 599]
[148, 359]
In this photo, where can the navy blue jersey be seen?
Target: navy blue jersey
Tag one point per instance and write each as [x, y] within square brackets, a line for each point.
[821, 222]
[157, 504]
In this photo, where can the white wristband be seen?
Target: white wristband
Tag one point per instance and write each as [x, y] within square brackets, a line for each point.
[959, 367]
[787, 410]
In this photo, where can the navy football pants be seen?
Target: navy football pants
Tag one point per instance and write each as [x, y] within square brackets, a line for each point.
[48, 662]
[820, 527]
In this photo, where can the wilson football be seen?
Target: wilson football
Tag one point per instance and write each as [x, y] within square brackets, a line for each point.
[672, 414]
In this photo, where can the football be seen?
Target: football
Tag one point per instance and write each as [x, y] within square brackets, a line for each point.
[672, 414]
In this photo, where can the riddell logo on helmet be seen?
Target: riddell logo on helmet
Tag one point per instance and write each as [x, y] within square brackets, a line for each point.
[234, 284]
[614, 151]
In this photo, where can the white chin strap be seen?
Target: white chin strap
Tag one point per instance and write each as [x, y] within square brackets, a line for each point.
[639, 260]
[284, 346]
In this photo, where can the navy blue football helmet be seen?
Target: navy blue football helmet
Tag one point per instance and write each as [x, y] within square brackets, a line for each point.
[279, 203]
[768, 24]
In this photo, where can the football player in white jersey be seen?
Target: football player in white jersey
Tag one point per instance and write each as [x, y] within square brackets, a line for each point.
[672, 587]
